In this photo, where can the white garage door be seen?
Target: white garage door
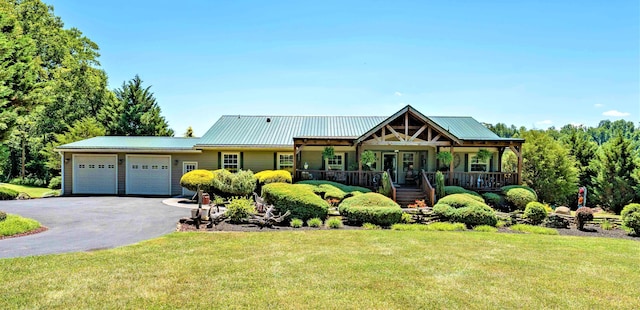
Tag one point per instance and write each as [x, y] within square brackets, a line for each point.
[95, 174]
[148, 174]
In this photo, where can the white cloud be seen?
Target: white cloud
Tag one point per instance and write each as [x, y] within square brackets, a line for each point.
[545, 122]
[598, 105]
[399, 94]
[615, 113]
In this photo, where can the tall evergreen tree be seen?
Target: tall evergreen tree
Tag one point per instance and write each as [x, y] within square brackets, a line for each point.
[548, 168]
[617, 168]
[582, 147]
[134, 112]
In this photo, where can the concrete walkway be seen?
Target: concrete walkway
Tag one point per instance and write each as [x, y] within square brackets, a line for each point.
[89, 223]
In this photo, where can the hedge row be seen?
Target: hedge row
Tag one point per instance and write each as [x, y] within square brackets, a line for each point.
[371, 208]
[299, 199]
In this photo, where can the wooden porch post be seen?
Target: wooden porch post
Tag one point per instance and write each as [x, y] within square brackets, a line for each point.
[520, 164]
[451, 165]
[500, 151]
[358, 155]
[295, 162]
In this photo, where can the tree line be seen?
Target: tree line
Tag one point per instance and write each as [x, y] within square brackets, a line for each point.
[604, 159]
[53, 91]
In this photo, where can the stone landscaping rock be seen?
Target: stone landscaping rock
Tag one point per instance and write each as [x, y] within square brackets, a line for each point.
[555, 221]
[563, 210]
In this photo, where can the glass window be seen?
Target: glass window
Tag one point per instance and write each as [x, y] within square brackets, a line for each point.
[335, 163]
[407, 160]
[476, 165]
[231, 161]
[285, 161]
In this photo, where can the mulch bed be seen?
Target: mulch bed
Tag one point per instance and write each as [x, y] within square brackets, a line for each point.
[592, 230]
[31, 232]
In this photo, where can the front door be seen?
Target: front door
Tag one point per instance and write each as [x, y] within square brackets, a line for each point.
[390, 163]
[188, 166]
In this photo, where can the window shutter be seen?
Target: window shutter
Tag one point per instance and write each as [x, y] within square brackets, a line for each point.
[323, 163]
[219, 160]
[275, 160]
[491, 163]
[346, 161]
[241, 161]
[466, 162]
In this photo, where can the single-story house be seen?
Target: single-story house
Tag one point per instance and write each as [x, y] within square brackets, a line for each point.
[406, 140]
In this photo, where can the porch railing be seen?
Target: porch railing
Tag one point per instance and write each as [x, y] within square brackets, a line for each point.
[478, 181]
[358, 178]
[425, 184]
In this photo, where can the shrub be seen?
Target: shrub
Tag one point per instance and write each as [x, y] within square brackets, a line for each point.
[606, 225]
[485, 228]
[7, 194]
[385, 185]
[192, 179]
[15, 224]
[535, 212]
[3, 216]
[630, 216]
[226, 184]
[507, 188]
[440, 192]
[406, 218]
[299, 199]
[583, 215]
[370, 208]
[55, 183]
[342, 187]
[519, 197]
[492, 199]
[450, 190]
[334, 223]
[534, 229]
[330, 192]
[296, 223]
[430, 227]
[28, 181]
[442, 210]
[273, 176]
[314, 222]
[369, 226]
[461, 200]
[240, 209]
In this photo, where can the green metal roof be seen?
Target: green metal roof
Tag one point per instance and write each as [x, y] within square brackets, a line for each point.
[129, 142]
[465, 128]
[235, 130]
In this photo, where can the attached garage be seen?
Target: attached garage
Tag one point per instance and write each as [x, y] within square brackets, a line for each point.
[148, 175]
[95, 174]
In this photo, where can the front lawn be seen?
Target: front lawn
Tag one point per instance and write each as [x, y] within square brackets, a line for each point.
[344, 269]
[34, 192]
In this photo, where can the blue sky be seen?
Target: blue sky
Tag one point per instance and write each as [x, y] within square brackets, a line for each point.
[528, 63]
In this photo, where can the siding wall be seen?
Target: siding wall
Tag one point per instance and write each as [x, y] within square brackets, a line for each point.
[258, 161]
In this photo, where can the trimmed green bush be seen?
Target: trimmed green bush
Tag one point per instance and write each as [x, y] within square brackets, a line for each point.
[3, 216]
[535, 212]
[55, 183]
[492, 199]
[192, 179]
[240, 209]
[330, 192]
[507, 188]
[314, 222]
[406, 218]
[450, 190]
[519, 197]
[485, 228]
[273, 176]
[630, 216]
[583, 215]
[370, 208]
[299, 199]
[443, 210]
[296, 223]
[461, 200]
[342, 187]
[334, 223]
[7, 193]
[227, 184]
[463, 208]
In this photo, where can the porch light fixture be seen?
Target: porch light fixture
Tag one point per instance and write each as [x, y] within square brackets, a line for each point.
[67, 160]
[396, 151]
[175, 162]
[120, 161]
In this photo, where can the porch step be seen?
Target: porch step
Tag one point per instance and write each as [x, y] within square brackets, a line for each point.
[408, 195]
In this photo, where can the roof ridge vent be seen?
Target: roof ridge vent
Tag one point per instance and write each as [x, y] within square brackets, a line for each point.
[268, 119]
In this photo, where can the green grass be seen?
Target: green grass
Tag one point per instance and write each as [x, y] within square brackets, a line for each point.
[34, 192]
[334, 269]
[485, 228]
[534, 229]
[438, 226]
[15, 224]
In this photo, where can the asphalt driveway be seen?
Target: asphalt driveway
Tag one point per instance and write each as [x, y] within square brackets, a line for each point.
[89, 223]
